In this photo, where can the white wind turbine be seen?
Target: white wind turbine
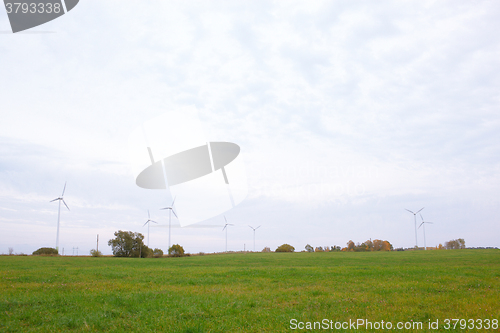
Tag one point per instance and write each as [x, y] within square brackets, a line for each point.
[415, 218]
[171, 210]
[148, 222]
[254, 235]
[225, 227]
[423, 224]
[59, 214]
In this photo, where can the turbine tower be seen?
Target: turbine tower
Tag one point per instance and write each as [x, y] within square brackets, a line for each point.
[254, 235]
[423, 224]
[148, 222]
[171, 210]
[59, 214]
[415, 218]
[225, 227]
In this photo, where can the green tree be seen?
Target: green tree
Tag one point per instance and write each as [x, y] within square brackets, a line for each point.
[45, 251]
[141, 250]
[309, 248]
[129, 244]
[176, 251]
[157, 253]
[95, 253]
[285, 248]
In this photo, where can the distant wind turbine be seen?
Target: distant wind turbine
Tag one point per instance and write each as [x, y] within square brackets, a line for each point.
[148, 222]
[225, 227]
[423, 224]
[415, 218]
[171, 210]
[254, 235]
[59, 214]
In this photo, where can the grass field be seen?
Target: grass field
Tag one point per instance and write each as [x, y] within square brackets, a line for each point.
[254, 292]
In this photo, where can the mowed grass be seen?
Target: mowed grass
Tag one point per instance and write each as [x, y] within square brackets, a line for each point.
[253, 292]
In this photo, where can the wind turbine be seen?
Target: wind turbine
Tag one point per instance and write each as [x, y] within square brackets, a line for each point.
[59, 214]
[254, 236]
[148, 222]
[423, 224]
[225, 227]
[171, 208]
[415, 218]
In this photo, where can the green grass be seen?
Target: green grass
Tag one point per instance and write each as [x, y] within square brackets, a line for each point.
[254, 292]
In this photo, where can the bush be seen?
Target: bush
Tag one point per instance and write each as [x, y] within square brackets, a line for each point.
[176, 251]
[285, 248]
[45, 251]
[95, 253]
[309, 248]
[157, 253]
[266, 249]
[144, 252]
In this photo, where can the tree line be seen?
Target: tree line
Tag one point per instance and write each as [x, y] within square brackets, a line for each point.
[369, 245]
[131, 244]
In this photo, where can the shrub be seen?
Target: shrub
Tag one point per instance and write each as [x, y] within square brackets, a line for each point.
[285, 248]
[309, 248]
[143, 251]
[95, 253]
[157, 253]
[266, 249]
[45, 251]
[176, 251]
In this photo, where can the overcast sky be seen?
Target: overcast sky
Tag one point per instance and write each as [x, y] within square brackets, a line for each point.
[346, 112]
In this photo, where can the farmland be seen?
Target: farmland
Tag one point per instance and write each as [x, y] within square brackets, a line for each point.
[247, 292]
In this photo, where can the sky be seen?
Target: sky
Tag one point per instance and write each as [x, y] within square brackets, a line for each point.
[346, 112]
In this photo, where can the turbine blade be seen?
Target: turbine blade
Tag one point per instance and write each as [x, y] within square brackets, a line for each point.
[65, 203]
[430, 222]
[54, 200]
[409, 211]
[224, 227]
[420, 224]
[172, 205]
[145, 223]
[64, 189]
[165, 208]
[230, 224]
[422, 217]
[251, 226]
[420, 210]
[154, 222]
[257, 227]
[175, 214]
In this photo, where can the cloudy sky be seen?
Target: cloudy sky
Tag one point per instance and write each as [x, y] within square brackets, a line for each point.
[346, 112]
